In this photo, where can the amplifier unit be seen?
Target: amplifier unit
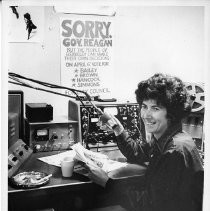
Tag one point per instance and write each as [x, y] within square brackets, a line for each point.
[59, 134]
[18, 153]
[90, 134]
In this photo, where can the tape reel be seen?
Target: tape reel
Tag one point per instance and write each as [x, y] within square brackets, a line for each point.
[196, 90]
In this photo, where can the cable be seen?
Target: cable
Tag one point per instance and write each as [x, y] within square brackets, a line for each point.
[141, 138]
[40, 89]
[20, 80]
[17, 77]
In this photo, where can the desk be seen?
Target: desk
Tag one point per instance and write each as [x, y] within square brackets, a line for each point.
[75, 193]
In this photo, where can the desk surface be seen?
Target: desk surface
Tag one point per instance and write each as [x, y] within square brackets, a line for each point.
[77, 183]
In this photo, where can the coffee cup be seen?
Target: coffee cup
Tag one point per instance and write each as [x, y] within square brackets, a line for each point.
[67, 166]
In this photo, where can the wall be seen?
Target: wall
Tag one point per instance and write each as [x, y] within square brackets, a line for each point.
[149, 39]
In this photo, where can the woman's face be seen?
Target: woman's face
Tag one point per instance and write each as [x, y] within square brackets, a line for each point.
[154, 117]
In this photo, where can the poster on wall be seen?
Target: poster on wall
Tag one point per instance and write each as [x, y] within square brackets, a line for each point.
[26, 23]
[87, 54]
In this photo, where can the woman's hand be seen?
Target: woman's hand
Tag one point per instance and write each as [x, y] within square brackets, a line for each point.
[97, 175]
[109, 122]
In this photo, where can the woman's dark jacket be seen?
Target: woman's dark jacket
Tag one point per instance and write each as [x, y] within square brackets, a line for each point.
[174, 177]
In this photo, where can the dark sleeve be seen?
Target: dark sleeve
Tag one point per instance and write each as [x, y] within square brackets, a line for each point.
[194, 162]
[136, 151]
[197, 190]
[109, 184]
[179, 179]
[169, 187]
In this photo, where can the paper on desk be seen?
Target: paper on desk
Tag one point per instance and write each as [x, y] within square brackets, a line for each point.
[56, 159]
[86, 156]
[96, 158]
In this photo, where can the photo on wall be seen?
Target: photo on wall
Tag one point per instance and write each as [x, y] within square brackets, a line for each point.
[26, 24]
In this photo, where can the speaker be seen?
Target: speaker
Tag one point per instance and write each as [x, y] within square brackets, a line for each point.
[39, 112]
[15, 114]
[13, 128]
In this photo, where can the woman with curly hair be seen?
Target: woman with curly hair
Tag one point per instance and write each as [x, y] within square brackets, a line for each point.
[174, 175]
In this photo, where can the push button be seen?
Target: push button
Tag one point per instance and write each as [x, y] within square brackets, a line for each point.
[14, 159]
[21, 153]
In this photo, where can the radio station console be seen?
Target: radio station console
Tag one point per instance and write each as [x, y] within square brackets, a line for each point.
[90, 134]
[56, 135]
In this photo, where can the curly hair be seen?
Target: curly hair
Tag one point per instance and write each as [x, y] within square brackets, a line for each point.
[169, 92]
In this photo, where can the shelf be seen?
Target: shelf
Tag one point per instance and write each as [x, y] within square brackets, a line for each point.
[56, 120]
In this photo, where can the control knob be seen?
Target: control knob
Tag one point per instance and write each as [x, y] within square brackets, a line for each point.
[84, 110]
[85, 118]
[85, 126]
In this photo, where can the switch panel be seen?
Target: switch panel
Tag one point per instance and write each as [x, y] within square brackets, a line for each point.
[18, 153]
